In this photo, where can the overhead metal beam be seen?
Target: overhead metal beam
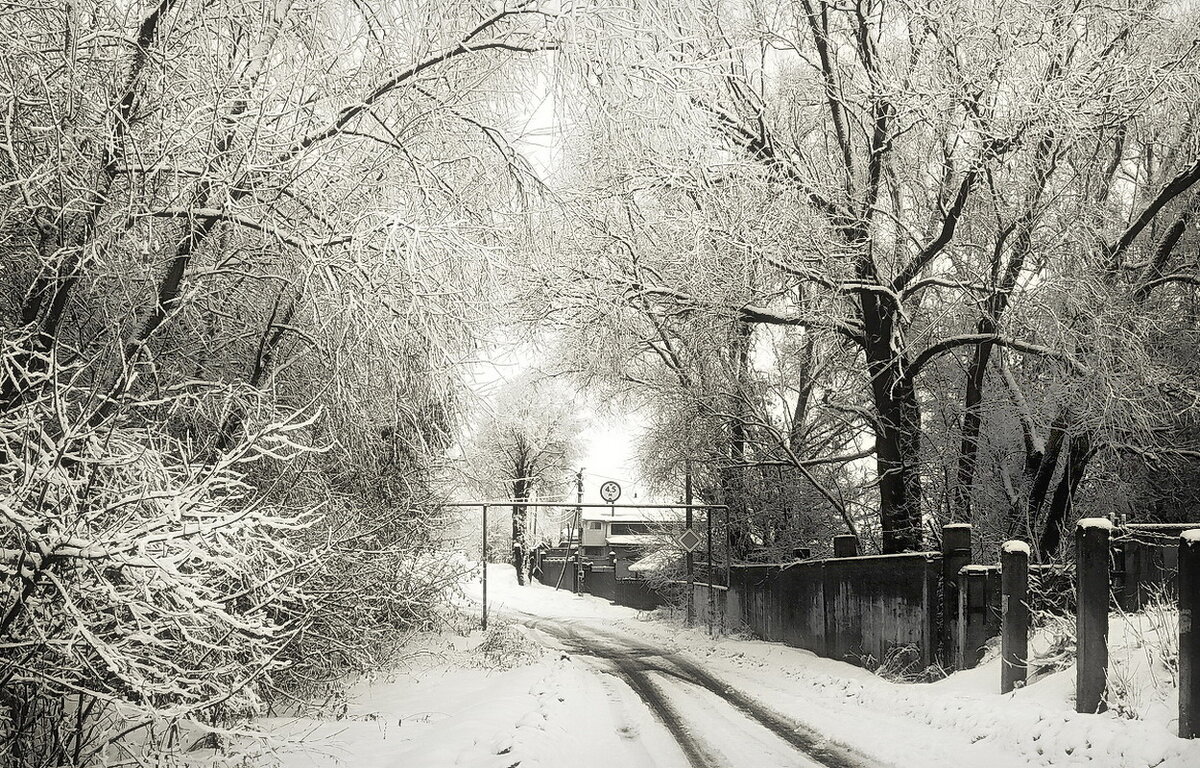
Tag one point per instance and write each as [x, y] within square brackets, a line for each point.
[573, 504]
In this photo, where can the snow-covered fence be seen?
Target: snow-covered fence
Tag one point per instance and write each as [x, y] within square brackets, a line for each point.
[600, 581]
[1145, 563]
[606, 581]
[956, 555]
[978, 614]
[860, 609]
[718, 609]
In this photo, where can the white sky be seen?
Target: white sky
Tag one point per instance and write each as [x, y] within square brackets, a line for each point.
[608, 443]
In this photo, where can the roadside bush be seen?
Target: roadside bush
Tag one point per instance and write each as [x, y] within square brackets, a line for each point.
[142, 588]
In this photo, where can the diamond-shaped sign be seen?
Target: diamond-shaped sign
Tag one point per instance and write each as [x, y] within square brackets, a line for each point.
[689, 540]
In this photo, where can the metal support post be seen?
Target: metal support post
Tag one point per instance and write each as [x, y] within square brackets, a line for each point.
[712, 597]
[485, 567]
[689, 560]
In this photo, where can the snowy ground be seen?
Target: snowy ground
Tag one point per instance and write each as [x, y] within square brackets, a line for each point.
[573, 680]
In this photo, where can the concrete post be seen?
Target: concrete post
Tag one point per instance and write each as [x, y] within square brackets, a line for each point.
[845, 546]
[956, 553]
[1014, 607]
[1189, 636]
[1091, 621]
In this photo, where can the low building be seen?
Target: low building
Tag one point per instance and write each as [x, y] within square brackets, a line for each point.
[629, 534]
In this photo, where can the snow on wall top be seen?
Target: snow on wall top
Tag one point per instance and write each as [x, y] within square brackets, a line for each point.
[957, 525]
[1192, 536]
[1096, 522]
[975, 568]
[1013, 547]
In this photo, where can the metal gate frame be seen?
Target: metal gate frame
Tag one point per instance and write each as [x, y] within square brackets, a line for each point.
[579, 507]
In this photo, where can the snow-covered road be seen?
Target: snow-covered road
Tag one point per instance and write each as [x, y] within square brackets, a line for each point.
[712, 724]
[571, 680]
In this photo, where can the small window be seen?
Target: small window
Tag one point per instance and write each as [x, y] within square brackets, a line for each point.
[596, 526]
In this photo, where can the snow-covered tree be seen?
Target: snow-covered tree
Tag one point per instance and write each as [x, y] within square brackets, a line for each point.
[528, 443]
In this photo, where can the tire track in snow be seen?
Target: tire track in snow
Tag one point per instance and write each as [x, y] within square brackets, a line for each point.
[698, 756]
[633, 661]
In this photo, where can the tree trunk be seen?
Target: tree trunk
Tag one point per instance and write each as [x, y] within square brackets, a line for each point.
[264, 365]
[1039, 472]
[1078, 455]
[736, 490]
[46, 302]
[989, 323]
[518, 549]
[521, 493]
[898, 432]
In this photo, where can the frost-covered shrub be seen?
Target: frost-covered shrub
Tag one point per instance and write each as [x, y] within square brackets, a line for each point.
[140, 586]
[505, 646]
[1143, 668]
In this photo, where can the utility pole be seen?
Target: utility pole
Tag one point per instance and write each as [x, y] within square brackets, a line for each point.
[532, 538]
[578, 523]
[688, 559]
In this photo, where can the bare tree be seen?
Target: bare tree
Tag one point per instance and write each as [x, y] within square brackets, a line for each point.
[529, 441]
[914, 183]
[232, 303]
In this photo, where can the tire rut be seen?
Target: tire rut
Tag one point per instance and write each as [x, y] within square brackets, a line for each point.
[632, 661]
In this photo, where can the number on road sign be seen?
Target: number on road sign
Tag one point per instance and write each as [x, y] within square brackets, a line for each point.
[610, 491]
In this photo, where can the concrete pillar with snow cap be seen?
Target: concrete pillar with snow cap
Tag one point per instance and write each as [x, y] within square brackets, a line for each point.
[1091, 620]
[956, 553]
[1189, 637]
[1014, 609]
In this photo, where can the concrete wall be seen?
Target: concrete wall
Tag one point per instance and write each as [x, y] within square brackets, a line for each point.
[603, 581]
[636, 593]
[875, 605]
[781, 603]
[858, 609]
[1143, 569]
[722, 605]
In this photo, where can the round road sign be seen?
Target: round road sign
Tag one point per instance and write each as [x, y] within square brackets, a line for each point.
[610, 491]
